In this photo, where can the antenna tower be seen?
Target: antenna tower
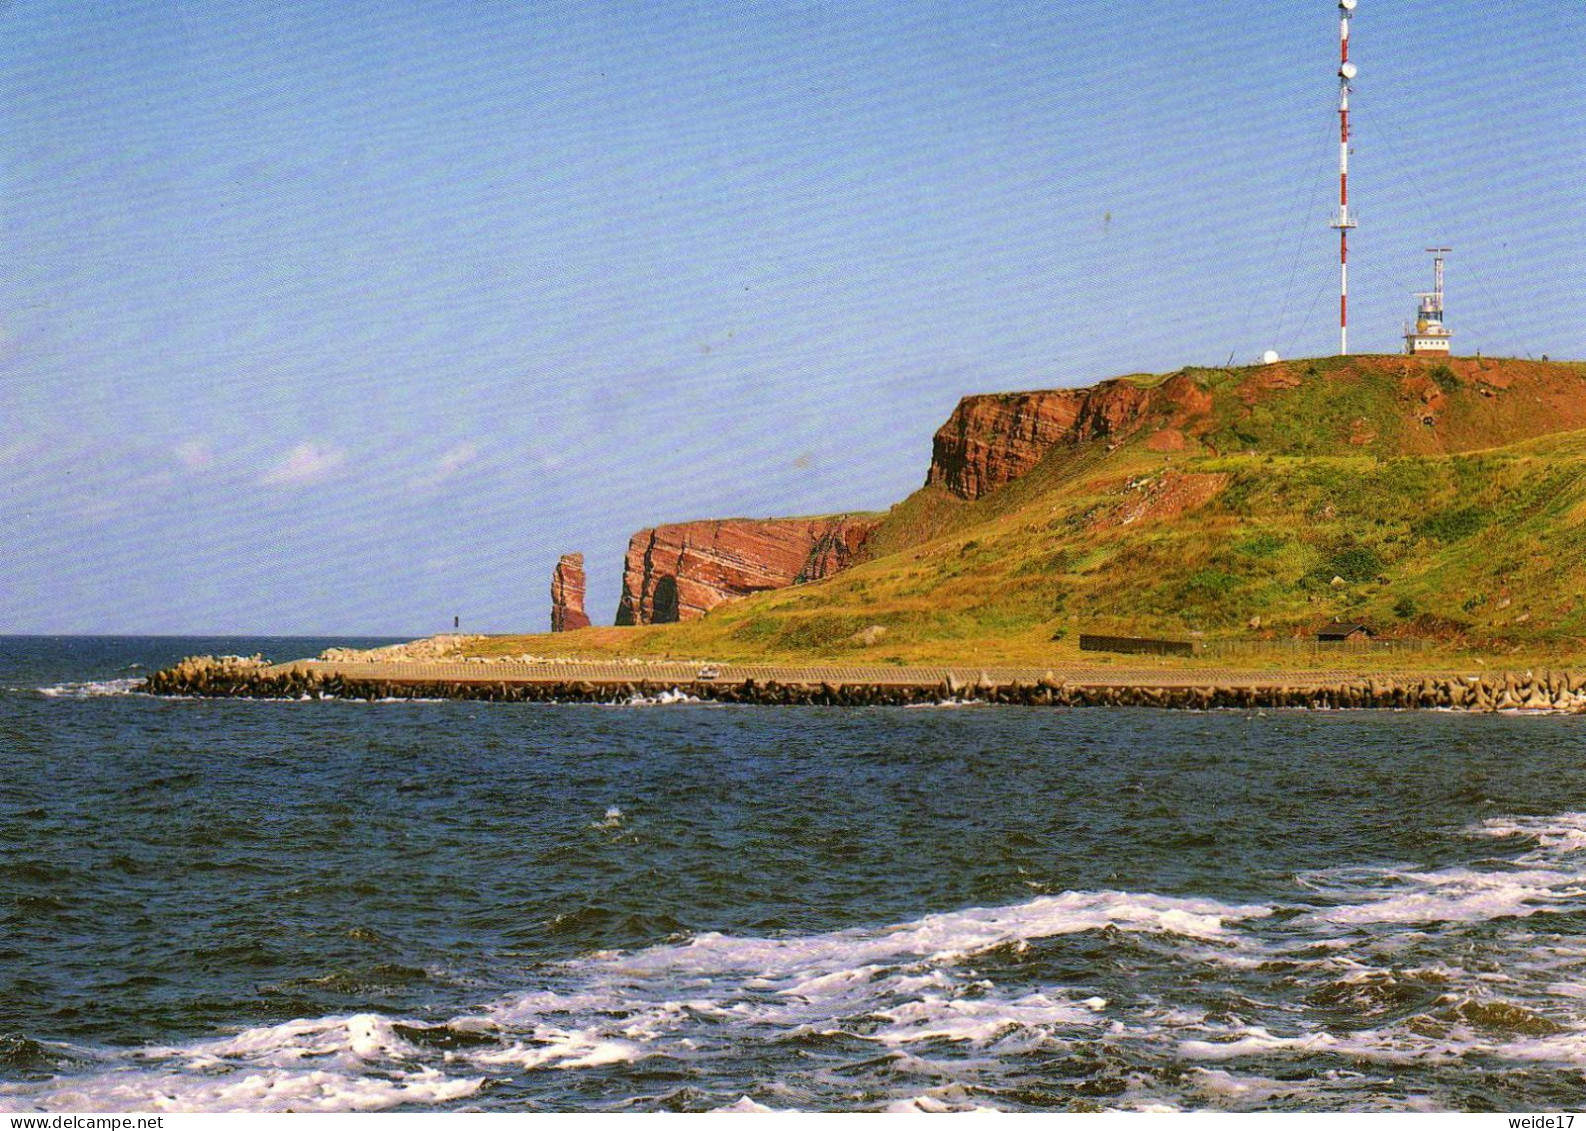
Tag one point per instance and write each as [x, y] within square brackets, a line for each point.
[1344, 221]
[1429, 334]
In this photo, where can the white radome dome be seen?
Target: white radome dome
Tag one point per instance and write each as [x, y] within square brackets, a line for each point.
[1269, 357]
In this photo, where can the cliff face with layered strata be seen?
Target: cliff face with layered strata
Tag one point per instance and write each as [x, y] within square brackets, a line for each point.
[993, 439]
[1382, 405]
[567, 594]
[683, 570]
[1415, 494]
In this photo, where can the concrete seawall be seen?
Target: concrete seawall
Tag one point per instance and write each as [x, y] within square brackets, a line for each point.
[833, 686]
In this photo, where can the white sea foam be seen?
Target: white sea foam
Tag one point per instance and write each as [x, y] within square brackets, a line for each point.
[1562, 831]
[1246, 1089]
[743, 1105]
[899, 987]
[355, 1063]
[947, 936]
[1551, 877]
[905, 986]
[1463, 895]
[1391, 1046]
[265, 1091]
[1256, 1041]
[670, 697]
[939, 1101]
[927, 996]
[915, 985]
[1511, 988]
[547, 1046]
[612, 820]
[977, 1020]
[90, 689]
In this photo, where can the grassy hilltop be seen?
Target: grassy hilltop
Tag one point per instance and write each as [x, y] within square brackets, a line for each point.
[1441, 501]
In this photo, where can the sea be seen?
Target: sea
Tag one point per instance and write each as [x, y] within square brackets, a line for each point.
[668, 905]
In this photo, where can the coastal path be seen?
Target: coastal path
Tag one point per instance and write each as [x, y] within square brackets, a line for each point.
[888, 675]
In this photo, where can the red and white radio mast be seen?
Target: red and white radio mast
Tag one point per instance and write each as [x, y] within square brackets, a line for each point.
[1344, 221]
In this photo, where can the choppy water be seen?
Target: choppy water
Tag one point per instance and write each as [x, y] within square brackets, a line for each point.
[333, 906]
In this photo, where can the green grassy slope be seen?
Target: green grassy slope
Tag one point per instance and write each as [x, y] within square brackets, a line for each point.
[1325, 498]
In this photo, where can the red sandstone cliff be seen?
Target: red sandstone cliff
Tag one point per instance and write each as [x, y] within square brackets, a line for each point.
[567, 594]
[837, 549]
[1400, 406]
[1387, 405]
[681, 571]
[992, 439]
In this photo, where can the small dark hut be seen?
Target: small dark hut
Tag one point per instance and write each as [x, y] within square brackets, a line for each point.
[1335, 633]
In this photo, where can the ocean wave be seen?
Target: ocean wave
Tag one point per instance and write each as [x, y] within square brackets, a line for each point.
[1497, 976]
[1156, 1002]
[905, 985]
[1551, 877]
[944, 937]
[1457, 1029]
[1560, 831]
[89, 689]
[743, 1105]
[671, 697]
[356, 1063]
[1461, 895]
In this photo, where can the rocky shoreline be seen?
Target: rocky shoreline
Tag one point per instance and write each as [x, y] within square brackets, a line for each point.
[254, 678]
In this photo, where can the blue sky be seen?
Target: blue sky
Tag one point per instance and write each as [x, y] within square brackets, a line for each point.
[350, 317]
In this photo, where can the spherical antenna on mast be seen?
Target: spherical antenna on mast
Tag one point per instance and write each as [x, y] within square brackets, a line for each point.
[1347, 5]
[1348, 71]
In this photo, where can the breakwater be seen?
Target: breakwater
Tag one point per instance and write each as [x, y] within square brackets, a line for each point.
[233, 677]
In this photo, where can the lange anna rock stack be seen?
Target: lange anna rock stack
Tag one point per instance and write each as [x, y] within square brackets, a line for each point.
[567, 594]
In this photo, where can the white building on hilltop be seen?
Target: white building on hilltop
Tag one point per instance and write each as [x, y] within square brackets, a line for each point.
[1429, 335]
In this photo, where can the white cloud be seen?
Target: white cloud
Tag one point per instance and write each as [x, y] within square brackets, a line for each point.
[307, 463]
[449, 464]
[454, 460]
[194, 455]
